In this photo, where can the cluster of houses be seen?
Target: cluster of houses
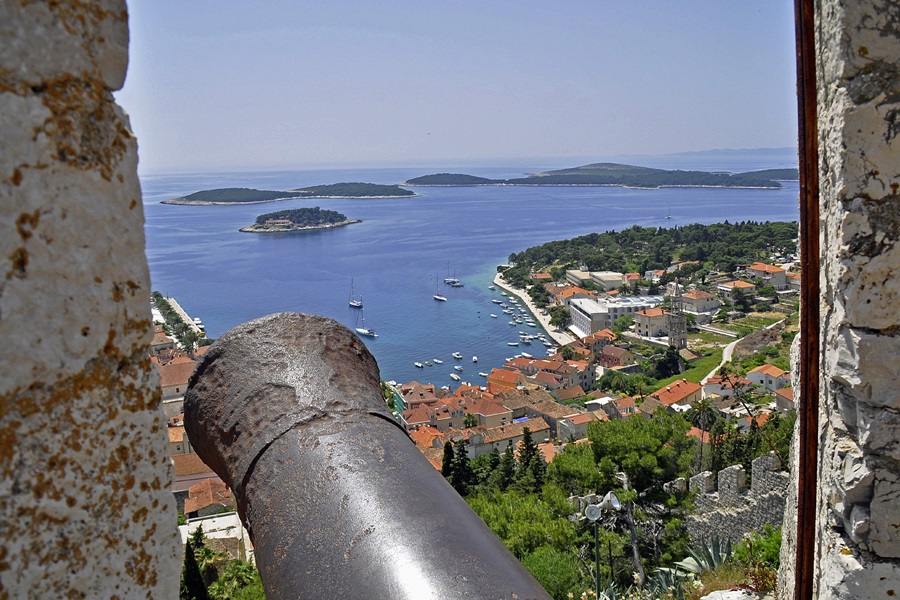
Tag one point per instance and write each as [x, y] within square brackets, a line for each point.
[201, 496]
[537, 393]
[600, 307]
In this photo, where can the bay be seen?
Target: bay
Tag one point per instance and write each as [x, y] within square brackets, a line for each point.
[402, 250]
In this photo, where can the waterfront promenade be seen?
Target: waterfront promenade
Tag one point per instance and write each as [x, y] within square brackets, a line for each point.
[560, 337]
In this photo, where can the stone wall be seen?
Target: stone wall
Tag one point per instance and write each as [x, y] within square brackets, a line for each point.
[85, 504]
[729, 510]
[858, 522]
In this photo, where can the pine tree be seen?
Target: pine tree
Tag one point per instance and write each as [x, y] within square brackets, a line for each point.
[447, 462]
[192, 585]
[462, 477]
[506, 472]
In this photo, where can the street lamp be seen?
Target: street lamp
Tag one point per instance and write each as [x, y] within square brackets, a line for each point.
[593, 513]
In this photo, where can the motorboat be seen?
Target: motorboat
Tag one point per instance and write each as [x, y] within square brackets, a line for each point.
[419, 365]
[457, 367]
[493, 316]
[474, 359]
[512, 343]
[437, 361]
[455, 377]
[482, 373]
[457, 355]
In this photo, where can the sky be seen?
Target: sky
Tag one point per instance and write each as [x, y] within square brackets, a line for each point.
[227, 84]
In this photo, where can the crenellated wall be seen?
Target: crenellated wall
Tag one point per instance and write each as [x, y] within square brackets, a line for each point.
[858, 521]
[729, 510]
[85, 505]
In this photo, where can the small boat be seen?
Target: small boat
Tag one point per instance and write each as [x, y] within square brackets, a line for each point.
[482, 373]
[474, 359]
[512, 343]
[526, 355]
[457, 367]
[457, 355]
[362, 329]
[457, 283]
[439, 298]
[490, 287]
[454, 377]
[495, 301]
[502, 293]
[438, 361]
[493, 316]
[354, 302]
[419, 365]
[428, 363]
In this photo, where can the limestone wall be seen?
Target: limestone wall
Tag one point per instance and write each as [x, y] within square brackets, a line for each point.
[85, 505]
[858, 521]
[729, 510]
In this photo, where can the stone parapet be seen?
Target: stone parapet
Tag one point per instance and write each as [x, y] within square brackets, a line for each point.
[86, 509]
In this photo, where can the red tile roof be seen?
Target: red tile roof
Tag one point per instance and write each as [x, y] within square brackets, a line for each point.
[675, 392]
[189, 464]
[651, 312]
[698, 295]
[176, 373]
[758, 266]
[768, 369]
[207, 493]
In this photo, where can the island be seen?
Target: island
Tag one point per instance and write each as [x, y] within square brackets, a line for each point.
[298, 219]
[250, 196]
[614, 174]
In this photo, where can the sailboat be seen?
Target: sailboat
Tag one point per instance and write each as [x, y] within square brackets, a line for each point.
[354, 302]
[438, 296]
[363, 330]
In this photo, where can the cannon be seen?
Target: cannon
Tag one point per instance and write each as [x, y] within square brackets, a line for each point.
[339, 503]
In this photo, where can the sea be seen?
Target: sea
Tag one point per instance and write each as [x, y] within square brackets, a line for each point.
[398, 256]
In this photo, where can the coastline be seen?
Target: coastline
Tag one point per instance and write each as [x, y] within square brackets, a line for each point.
[620, 185]
[560, 337]
[182, 202]
[271, 229]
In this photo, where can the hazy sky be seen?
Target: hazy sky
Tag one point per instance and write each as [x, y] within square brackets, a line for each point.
[293, 83]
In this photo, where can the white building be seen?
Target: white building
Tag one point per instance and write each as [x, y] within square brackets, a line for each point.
[590, 316]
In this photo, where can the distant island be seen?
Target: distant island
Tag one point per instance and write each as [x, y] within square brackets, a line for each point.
[251, 196]
[613, 174]
[298, 219]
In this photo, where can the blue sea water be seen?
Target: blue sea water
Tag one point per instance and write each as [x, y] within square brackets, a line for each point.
[402, 250]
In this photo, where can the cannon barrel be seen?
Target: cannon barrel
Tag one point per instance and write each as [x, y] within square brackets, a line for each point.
[287, 410]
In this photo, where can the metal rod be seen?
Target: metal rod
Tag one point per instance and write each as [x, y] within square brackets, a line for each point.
[804, 17]
[287, 409]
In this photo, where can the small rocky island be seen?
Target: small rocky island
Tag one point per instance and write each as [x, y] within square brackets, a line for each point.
[298, 219]
[251, 196]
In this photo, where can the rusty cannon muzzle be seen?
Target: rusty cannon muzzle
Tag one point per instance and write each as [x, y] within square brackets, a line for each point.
[339, 503]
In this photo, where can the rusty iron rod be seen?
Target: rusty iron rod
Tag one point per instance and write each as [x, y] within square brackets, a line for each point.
[804, 21]
[287, 409]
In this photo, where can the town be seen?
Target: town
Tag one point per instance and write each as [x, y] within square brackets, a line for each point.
[710, 348]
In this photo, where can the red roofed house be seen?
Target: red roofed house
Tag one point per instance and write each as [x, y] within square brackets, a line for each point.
[542, 277]
[769, 377]
[626, 406]
[190, 469]
[575, 426]
[178, 441]
[209, 497]
[504, 379]
[770, 274]
[650, 322]
[499, 437]
[793, 281]
[613, 356]
[173, 378]
[724, 387]
[698, 301]
[729, 287]
[597, 340]
[784, 400]
[571, 293]
[679, 392]
[161, 342]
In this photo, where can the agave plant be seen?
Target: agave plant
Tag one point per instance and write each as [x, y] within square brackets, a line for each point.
[706, 557]
[666, 583]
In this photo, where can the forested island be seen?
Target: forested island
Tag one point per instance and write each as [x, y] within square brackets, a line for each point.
[251, 196]
[298, 219]
[613, 174]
